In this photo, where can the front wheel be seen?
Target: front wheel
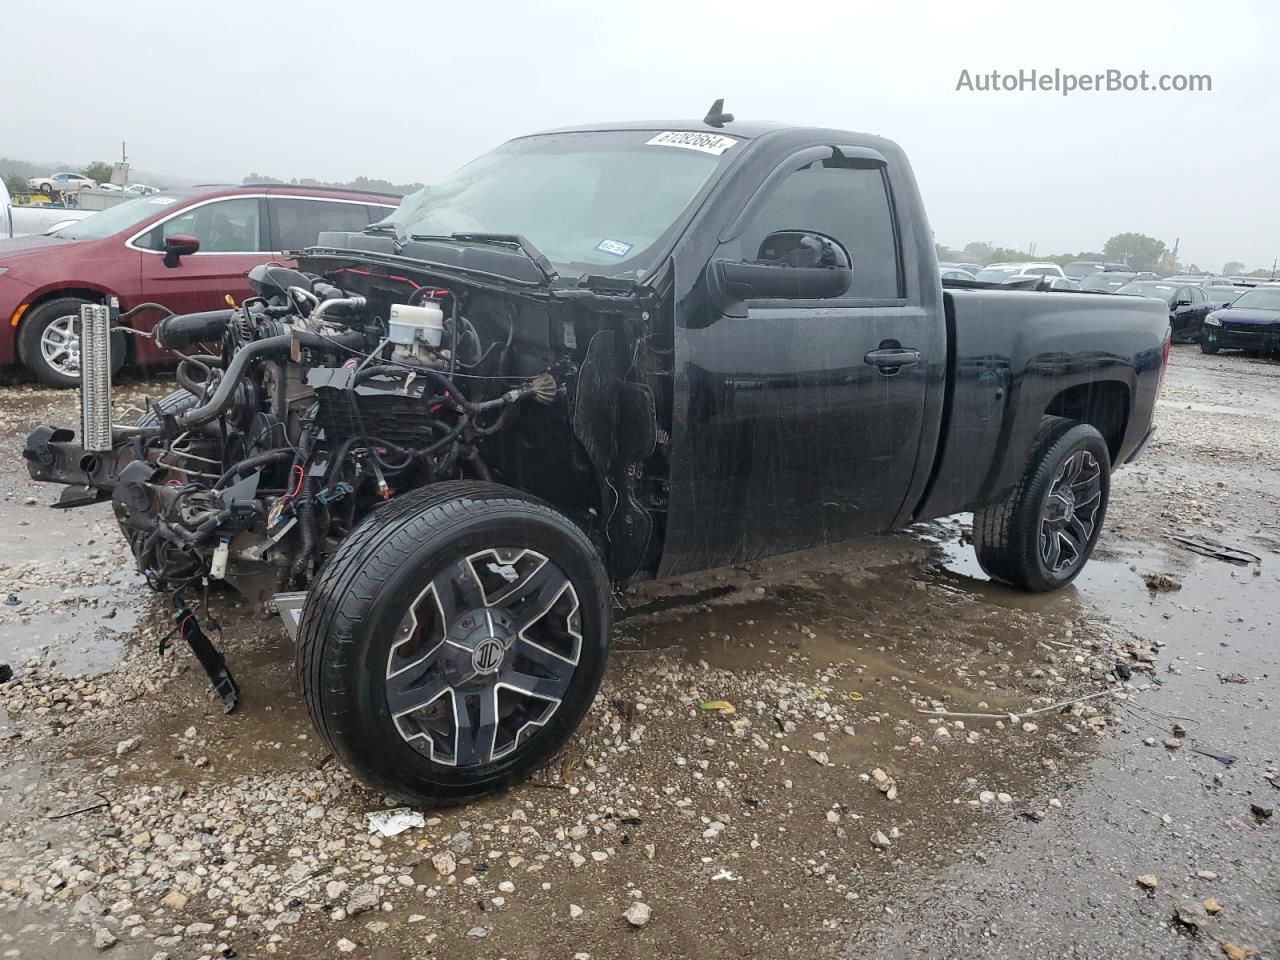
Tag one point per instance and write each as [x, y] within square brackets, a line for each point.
[454, 641]
[1207, 345]
[1041, 536]
[49, 343]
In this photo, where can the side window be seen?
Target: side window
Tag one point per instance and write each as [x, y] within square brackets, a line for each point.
[847, 202]
[223, 226]
[1197, 295]
[295, 223]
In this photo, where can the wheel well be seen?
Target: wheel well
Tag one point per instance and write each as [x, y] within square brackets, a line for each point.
[93, 296]
[1103, 404]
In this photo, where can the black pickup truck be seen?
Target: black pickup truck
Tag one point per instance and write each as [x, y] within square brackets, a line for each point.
[591, 356]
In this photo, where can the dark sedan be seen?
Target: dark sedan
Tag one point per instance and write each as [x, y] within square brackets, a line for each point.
[1188, 305]
[1251, 322]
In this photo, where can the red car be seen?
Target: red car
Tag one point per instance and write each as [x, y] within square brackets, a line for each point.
[185, 250]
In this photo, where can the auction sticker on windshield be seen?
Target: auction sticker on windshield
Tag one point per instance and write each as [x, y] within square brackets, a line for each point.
[712, 143]
[615, 248]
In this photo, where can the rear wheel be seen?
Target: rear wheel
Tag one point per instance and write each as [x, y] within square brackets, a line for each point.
[454, 641]
[49, 343]
[1043, 534]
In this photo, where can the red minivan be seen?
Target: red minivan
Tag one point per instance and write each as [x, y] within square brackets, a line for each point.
[186, 250]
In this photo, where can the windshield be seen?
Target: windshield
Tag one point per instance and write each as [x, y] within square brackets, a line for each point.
[1258, 300]
[586, 200]
[1161, 291]
[997, 274]
[112, 220]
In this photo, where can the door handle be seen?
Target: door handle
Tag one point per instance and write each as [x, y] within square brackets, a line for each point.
[893, 359]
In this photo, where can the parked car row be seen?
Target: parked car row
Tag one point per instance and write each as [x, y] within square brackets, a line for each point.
[187, 250]
[1216, 312]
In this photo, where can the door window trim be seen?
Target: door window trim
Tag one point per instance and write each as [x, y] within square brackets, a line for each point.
[792, 164]
[264, 214]
[271, 229]
[132, 244]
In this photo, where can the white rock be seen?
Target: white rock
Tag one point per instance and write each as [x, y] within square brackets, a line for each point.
[444, 862]
[575, 911]
[103, 938]
[638, 914]
[345, 946]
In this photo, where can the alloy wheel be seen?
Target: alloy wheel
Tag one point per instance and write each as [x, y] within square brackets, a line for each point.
[484, 656]
[60, 345]
[1070, 513]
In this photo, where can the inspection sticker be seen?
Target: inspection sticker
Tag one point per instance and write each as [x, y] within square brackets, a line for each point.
[615, 248]
[712, 143]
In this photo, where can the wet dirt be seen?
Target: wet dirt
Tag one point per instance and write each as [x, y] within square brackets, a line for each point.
[748, 833]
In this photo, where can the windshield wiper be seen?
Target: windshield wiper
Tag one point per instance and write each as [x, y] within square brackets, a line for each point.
[519, 242]
[380, 227]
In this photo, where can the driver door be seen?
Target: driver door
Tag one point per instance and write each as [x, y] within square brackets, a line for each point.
[802, 420]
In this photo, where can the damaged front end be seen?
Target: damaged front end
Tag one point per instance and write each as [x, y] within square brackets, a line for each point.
[311, 404]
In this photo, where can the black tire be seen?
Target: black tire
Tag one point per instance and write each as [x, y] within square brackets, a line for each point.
[41, 318]
[356, 609]
[1016, 540]
[171, 403]
[1206, 346]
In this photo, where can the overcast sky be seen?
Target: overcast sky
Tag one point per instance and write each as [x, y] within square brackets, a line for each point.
[410, 90]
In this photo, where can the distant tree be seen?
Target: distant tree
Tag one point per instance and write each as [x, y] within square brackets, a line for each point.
[942, 250]
[1232, 268]
[1138, 250]
[1005, 254]
[359, 183]
[977, 250]
[1260, 272]
[99, 171]
[15, 182]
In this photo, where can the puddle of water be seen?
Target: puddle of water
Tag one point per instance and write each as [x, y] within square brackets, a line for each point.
[77, 630]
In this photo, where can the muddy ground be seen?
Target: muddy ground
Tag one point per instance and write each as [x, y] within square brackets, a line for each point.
[136, 818]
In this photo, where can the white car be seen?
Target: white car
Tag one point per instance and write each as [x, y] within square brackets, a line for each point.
[1006, 272]
[141, 189]
[65, 182]
[6, 215]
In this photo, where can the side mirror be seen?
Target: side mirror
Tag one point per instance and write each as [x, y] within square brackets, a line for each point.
[791, 265]
[177, 246]
[1182, 303]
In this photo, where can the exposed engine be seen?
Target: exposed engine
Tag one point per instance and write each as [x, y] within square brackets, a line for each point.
[317, 405]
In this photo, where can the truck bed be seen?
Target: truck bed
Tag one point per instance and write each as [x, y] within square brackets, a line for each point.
[1016, 356]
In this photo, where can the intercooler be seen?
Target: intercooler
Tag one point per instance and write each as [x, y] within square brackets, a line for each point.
[95, 377]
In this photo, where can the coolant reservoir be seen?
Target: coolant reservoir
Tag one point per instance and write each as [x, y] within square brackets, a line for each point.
[409, 325]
